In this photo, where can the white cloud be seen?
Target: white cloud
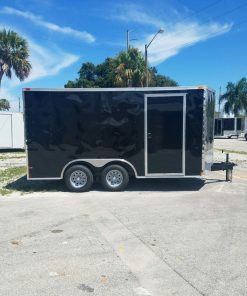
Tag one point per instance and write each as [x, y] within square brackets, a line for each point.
[182, 35]
[177, 34]
[82, 35]
[45, 62]
[133, 13]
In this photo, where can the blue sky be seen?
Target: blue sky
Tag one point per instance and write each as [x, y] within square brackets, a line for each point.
[204, 42]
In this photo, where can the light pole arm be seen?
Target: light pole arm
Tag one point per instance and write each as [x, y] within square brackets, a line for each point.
[152, 39]
[146, 55]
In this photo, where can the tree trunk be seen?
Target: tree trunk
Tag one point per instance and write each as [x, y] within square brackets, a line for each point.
[1, 76]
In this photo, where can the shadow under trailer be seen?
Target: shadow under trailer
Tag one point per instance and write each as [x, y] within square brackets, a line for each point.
[83, 135]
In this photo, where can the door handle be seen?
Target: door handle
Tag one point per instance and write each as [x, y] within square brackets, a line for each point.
[149, 135]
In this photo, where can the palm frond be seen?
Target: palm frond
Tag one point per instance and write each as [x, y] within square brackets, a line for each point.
[14, 55]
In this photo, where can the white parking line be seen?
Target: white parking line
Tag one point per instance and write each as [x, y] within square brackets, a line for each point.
[220, 187]
[156, 277]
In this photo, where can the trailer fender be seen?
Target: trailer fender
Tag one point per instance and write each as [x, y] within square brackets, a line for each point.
[96, 164]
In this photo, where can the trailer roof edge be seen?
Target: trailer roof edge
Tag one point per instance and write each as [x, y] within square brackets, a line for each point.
[121, 88]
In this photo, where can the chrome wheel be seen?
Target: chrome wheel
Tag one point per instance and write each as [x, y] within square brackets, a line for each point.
[114, 178]
[78, 179]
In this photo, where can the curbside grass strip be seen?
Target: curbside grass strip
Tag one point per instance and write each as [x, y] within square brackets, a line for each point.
[8, 175]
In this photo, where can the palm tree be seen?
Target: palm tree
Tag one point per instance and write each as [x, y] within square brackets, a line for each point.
[131, 68]
[13, 55]
[235, 97]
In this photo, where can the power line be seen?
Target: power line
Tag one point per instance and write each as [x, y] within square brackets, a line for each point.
[219, 16]
[217, 32]
[231, 10]
[201, 9]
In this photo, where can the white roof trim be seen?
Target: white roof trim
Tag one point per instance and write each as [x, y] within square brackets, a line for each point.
[119, 89]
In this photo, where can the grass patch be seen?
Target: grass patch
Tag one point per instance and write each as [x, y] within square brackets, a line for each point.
[4, 157]
[232, 151]
[8, 175]
[12, 173]
[4, 191]
[13, 179]
[12, 155]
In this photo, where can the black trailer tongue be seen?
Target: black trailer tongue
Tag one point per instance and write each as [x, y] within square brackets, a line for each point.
[224, 166]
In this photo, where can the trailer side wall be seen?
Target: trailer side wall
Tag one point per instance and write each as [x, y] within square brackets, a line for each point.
[62, 126]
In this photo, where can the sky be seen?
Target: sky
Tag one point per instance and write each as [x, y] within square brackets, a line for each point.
[203, 43]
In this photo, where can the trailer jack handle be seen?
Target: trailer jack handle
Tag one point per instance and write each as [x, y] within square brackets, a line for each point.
[224, 166]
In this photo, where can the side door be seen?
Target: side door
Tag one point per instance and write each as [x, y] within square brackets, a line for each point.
[165, 116]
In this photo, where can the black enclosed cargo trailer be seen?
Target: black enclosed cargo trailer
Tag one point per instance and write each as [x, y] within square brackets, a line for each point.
[83, 134]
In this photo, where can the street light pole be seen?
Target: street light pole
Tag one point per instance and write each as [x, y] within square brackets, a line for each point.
[146, 65]
[146, 54]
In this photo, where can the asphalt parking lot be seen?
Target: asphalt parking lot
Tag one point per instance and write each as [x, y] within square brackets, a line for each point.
[160, 237]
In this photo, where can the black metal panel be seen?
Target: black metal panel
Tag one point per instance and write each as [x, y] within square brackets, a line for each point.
[63, 126]
[165, 134]
[193, 138]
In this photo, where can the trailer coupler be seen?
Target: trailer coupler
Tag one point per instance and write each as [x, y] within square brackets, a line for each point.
[224, 166]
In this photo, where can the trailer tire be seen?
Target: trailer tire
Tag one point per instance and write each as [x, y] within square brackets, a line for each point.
[114, 178]
[78, 178]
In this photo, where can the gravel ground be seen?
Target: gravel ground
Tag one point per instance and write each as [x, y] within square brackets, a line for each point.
[238, 145]
[12, 162]
[237, 149]
[10, 159]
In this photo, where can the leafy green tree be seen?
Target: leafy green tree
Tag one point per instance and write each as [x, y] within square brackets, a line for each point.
[90, 75]
[235, 98]
[106, 72]
[160, 80]
[13, 55]
[4, 105]
[127, 69]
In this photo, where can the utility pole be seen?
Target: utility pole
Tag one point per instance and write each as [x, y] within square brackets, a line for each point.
[129, 39]
[19, 104]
